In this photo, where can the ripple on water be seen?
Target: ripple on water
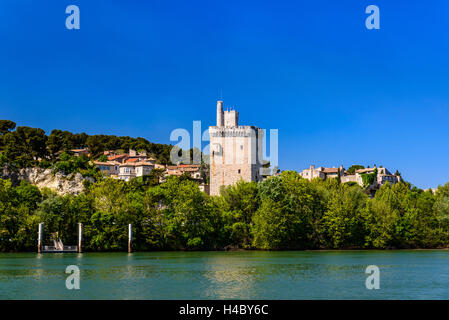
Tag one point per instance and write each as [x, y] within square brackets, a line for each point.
[227, 275]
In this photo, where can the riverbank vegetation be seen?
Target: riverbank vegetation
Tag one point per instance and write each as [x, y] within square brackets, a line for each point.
[283, 212]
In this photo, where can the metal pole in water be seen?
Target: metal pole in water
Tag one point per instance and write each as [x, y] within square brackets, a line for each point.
[80, 237]
[130, 237]
[40, 235]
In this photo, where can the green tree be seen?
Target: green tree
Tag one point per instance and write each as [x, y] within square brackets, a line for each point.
[352, 169]
[299, 204]
[58, 142]
[24, 147]
[238, 203]
[68, 164]
[343, 219]
[191, 219]
[96, 145]
[6, 126]
[272, 226]
[17, 222]
[441, 209]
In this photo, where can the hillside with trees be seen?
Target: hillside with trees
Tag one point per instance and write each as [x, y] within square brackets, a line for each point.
[22, 147]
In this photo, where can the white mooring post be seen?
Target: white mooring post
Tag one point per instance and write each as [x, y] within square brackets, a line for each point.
[130, 237]
[40, 235]
[80, 237]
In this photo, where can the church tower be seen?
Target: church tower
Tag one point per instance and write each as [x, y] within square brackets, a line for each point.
[235, 151]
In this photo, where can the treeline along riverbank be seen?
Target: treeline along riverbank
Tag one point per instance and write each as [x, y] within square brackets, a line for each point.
[282, 212]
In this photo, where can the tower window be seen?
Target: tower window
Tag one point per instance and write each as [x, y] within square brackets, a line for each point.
[239, 171]
[241, 147]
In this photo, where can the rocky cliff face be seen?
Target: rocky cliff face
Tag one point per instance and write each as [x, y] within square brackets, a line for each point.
[44, 178]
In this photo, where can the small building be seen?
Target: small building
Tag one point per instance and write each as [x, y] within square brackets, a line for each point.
[127, 172]
[132, 156]
[80, 152]
[321, 172]
[108, 168]
[109, 153]
[383, 175]
[172, 171]
[192, 169]
[134, 169]
[143, 168]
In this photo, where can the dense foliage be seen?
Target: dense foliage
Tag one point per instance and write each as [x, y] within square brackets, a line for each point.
[27, 147]
[369, 178]
[282, 212]
[352, 169]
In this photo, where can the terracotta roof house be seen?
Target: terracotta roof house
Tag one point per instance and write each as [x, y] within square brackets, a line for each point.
[132, 156]
[118, 157]
[108, 168]
[134, 169]
[192, 169]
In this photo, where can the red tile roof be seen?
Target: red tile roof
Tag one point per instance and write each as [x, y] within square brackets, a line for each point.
[136, 164]
[189, 166]
[330, 170]
[108, 163]
[365, 170]
[118, 156]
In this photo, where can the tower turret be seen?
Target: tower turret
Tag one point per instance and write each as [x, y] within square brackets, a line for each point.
[220, 117]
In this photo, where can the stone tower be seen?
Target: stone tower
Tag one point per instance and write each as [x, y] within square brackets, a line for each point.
[235, 151]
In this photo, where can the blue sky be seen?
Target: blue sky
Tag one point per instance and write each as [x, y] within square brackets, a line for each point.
[337, 92]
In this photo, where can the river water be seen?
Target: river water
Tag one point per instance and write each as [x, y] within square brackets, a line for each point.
[420, 274]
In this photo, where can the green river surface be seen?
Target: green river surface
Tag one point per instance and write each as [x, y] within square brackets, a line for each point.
[408, 274]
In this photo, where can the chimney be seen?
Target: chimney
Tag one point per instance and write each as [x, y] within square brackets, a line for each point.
[220, 118]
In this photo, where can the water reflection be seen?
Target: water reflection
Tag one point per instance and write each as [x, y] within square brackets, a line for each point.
[226, 275]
